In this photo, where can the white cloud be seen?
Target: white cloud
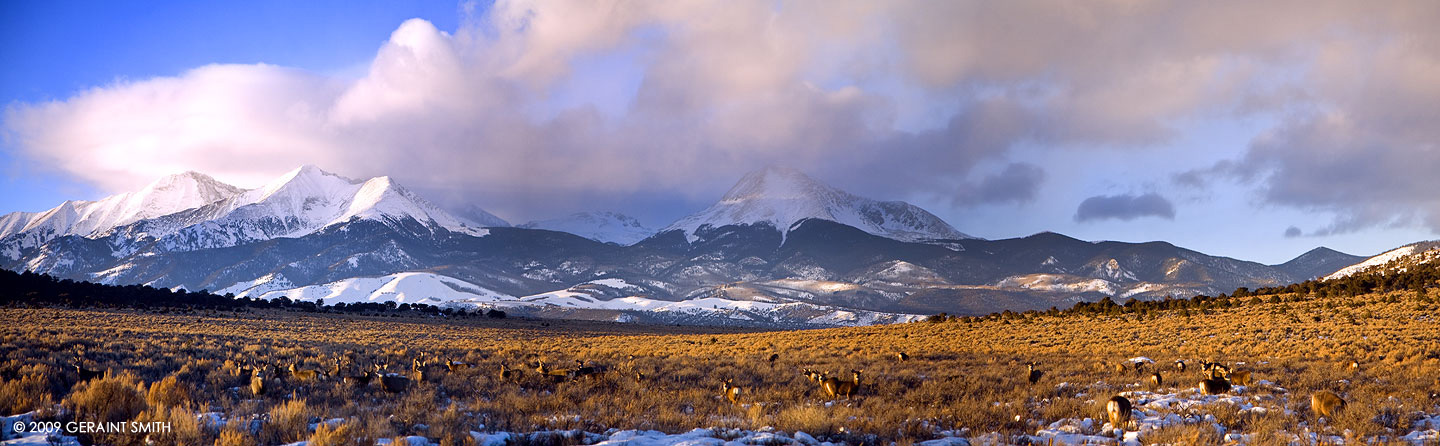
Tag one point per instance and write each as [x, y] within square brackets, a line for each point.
[728, 86]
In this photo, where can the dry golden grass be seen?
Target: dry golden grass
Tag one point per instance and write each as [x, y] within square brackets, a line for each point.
[966, 376]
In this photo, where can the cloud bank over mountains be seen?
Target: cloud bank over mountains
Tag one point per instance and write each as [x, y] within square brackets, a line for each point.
[960, 100]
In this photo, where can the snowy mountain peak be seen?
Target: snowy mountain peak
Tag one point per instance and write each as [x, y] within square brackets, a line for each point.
[776, 182]
[781, 197]
[609, 227]
[167, 195]
[1398, 258]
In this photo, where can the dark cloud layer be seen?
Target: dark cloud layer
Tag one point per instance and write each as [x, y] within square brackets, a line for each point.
[1124, 207]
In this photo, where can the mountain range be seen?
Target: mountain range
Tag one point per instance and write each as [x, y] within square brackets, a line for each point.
[778, 249]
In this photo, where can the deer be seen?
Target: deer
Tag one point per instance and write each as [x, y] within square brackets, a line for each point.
[419, 368]
[731, 391]
[394, 383]
[257, 382]
[507, 374]
[1326, 403]
[1180, 365]
[88, 374]
[773, 358]
[836, 387]
[454, 366]
[1120, 368]
[902, 356]
[1156, 380]
[555, 375]
[1214, 384]
[639, 378]
[1239, 377]
[305, 375]
[1033, 375]
[1118, 408]
[358, 381]
[813, 376]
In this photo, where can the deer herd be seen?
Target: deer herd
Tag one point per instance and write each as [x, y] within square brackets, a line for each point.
[1214, 378]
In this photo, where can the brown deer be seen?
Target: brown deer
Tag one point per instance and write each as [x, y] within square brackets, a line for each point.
[1326, 403]
[1239, 377]
[454, 366]
[555, 375]
[1180, 365]
[731, 391]
[420, 369]
[902, 357]
[1156, 380]
[305, 375]
[836, 387]
[1215, 384]
[507, 374]
[813, 376]
[1118, 408]
[1033, 375]
[257, 383]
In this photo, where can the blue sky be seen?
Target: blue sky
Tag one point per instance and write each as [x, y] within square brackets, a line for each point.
[1245, 120]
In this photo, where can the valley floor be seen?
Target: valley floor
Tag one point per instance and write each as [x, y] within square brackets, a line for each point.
[963, 381]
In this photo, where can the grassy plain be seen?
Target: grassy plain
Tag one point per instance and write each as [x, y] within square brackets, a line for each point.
[962, 377]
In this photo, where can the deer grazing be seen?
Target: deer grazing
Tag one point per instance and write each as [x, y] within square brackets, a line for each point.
[837, 387]
[1118, 409]
[902, 357]
[1156, 380]
[1033, 375]
[1326, 403]
[731, 391]
[1180, 365]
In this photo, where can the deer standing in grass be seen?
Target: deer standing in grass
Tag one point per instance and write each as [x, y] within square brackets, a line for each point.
[305, 375]
[1156, 380]
[1033, 375]
[1326, 403]
[455, 366]
[508, 375]
[1214, 384]
[731, 391]
[257, 382]
[555, 375]
[1118, 409]
[836, 387]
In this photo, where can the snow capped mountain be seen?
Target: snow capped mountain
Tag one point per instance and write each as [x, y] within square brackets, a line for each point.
[301, 202]
[1414, 253]
[475, 216]
[610, 227]
[165, 196]
[782, 197]
[411, 287]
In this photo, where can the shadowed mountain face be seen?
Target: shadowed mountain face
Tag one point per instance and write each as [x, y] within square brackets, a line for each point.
[1317, 263]
[311, 235]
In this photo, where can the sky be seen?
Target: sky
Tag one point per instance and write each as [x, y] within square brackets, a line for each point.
[1251, 129]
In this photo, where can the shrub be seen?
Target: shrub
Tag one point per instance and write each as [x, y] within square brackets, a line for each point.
[112, 398]
[343, 434]
[289, 423]
[169, 392]
[28, 393]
